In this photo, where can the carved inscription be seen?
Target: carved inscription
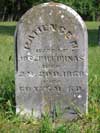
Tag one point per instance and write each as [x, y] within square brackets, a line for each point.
[48, 28]
[45, 59]
[56, 88]
[62, 58]
[51, 58]
[68, 74]
[37, 89]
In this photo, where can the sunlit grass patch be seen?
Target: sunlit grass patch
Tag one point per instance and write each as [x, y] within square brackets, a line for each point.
[10, 122]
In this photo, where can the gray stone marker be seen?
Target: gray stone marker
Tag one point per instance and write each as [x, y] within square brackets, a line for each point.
[51, 62]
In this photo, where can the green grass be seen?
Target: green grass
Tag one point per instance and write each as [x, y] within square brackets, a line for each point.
[12, 123]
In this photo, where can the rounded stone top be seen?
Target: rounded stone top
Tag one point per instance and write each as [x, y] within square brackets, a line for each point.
[54, 6]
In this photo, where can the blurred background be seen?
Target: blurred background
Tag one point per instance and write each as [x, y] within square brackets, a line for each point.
[12, 10]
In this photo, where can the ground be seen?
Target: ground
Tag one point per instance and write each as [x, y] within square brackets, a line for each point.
[12, 123]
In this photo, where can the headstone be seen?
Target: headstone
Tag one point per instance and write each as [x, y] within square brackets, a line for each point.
[51, 62]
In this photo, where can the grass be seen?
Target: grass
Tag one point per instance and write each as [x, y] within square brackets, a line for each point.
[12, 123]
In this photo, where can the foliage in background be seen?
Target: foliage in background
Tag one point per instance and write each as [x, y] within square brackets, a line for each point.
[12, 123]
[13, 9]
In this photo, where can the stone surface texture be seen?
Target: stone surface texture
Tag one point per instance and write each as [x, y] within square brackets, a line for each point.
[51, 62]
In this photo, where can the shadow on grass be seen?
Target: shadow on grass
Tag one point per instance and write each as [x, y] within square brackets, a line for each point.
[93, 38]
[7, 30]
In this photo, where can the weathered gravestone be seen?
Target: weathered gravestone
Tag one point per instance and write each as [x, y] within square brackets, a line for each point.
[51, 62]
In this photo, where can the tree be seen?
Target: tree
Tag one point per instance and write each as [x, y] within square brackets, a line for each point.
[14, 9]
